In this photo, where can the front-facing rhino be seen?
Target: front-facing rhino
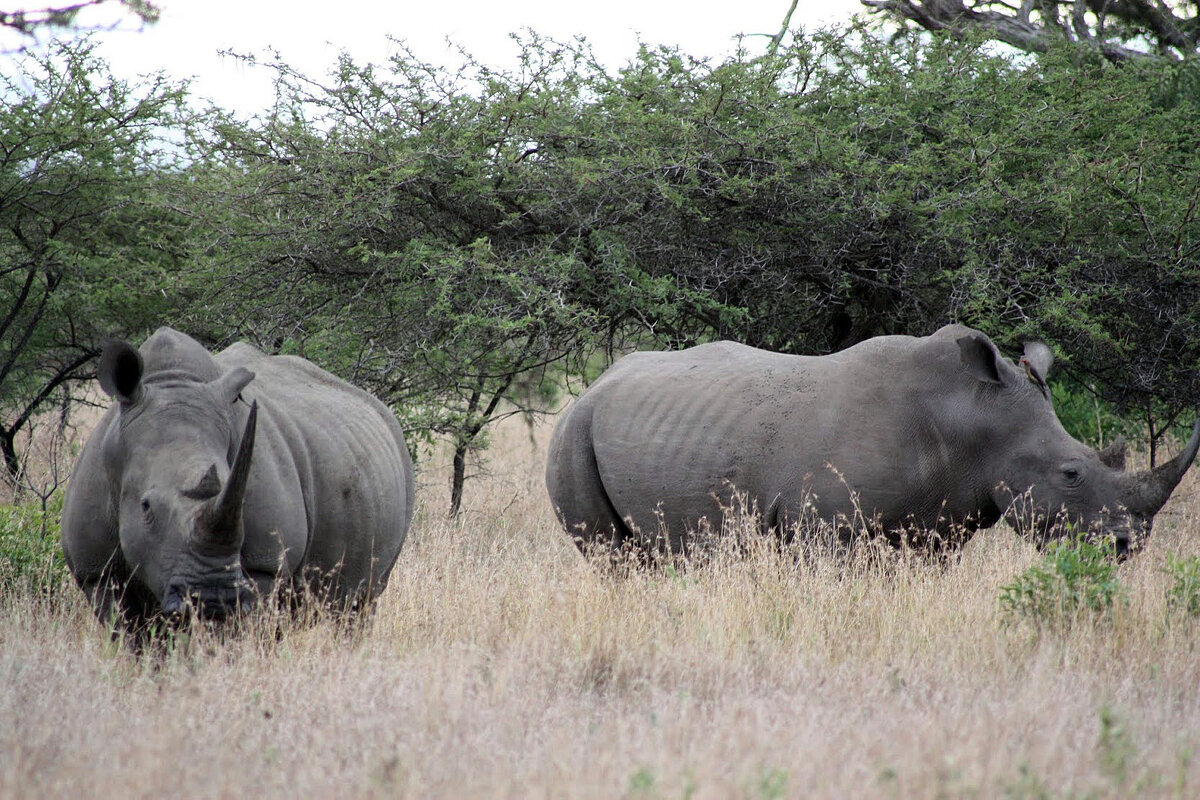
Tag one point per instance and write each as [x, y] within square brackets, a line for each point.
[212, 479]
[938, 434]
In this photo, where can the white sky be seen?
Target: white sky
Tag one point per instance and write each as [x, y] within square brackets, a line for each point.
[310, 35]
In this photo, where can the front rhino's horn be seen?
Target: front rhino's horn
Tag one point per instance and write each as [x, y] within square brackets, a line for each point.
[222, 530]
[1149, 490]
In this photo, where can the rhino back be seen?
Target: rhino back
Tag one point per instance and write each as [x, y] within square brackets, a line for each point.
[331, 464]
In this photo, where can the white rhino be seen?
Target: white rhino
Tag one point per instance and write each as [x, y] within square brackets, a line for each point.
[212, 479]
[940, 435]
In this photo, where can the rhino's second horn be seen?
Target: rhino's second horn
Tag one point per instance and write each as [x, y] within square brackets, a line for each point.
[1149, 490]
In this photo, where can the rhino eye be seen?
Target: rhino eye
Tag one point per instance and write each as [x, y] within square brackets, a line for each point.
[147, 511]
[1071, 476]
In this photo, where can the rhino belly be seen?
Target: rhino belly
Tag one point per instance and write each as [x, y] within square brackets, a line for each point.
[669, 460]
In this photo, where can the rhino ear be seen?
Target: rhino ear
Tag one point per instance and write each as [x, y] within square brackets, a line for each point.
[229, 385]
[1040, 358]
[120, 371]
[980, 358]
[1114, 455]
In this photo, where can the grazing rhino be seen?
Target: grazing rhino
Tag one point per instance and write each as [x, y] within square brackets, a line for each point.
[940, 435]
[213, 479]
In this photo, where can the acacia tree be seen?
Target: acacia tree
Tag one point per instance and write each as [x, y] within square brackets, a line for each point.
[401, 227]
[1120, 29]
[365, 222]
[89, 243]
[435, 235]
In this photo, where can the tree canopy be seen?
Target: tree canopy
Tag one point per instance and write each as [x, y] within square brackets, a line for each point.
[437, 234]
[458, 240]
[29, 20]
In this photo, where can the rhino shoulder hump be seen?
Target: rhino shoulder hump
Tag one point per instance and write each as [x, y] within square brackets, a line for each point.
[239, 352]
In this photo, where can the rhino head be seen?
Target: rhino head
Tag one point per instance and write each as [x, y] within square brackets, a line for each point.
[1051, 485]
[179, 468]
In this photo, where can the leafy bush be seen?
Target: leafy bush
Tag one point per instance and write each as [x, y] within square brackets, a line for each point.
[1089, 418]
[31, 558]
[1075, 576]
[1183, 595]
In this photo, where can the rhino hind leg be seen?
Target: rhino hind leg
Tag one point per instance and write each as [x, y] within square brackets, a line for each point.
[576, 490]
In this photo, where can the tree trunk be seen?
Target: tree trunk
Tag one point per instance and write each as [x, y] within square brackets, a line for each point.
[8, 447]
[1151, 433]
[459, 475]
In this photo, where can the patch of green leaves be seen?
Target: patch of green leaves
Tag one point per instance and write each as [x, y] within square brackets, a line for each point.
[1027, 786]
[1183, 595]
[642, 783]
[772, 784]
[1088, 417]
[31, 558]
[1076, 577]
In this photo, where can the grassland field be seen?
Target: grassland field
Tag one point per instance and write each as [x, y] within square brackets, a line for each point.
[500, 663]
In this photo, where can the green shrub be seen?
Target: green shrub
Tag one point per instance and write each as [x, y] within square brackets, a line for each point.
[1090, 419]
[1076, 576]
[1183, 596]
[31, 557]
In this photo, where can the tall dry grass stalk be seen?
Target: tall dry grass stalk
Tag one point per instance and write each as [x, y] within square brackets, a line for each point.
[500, 664]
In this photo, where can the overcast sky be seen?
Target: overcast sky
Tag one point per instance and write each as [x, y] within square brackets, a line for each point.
[310, 35]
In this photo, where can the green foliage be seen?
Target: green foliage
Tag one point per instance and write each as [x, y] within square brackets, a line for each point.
[1027, 786]
[772, 784]
[65, 15]
[642, 783]
[1183, 595]
[455, 240]
[1075, 577]
[31, 558]
[844, 188]
[1133, 30]
[1089, 418]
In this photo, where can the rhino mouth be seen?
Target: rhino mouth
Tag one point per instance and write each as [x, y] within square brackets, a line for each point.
[1122, 538]
[209, 602]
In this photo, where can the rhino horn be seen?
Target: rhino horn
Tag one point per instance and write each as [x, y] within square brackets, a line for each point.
[1113, 456]
[222, 528]
[1149, 490]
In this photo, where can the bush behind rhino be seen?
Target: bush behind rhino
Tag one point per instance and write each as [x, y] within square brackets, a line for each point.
[31, 559]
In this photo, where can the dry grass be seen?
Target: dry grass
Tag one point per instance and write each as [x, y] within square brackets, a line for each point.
[500, 664]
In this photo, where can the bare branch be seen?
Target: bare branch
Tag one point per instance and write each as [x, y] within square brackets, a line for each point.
[28, 21]
[1036, 23]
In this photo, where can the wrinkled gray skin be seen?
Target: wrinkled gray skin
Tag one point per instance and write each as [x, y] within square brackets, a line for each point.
[935, 434]
[212, 478]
